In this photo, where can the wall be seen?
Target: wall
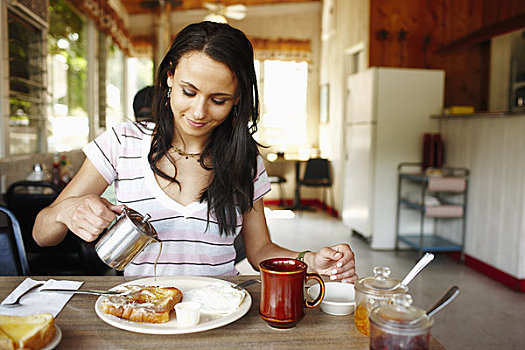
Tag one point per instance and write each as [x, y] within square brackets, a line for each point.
[409, 33]
[350, 29]
[428, 26]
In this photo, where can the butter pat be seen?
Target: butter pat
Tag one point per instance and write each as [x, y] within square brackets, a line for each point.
[188, 313]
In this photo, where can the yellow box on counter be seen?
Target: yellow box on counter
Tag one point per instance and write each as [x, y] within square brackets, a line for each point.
[459, 110]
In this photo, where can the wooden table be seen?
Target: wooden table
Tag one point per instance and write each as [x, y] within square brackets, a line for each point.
[83, 329]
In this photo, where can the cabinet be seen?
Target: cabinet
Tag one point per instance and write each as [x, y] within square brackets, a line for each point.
[438, 197]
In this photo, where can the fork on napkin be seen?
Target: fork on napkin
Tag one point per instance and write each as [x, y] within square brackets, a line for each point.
[35, 302]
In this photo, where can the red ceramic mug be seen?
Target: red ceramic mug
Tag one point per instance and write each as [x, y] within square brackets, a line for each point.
[282, 291]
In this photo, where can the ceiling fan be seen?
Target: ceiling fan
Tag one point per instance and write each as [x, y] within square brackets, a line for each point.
[219, 12]
[153, 4]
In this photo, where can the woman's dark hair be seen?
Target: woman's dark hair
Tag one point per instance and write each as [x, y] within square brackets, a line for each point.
[231, 146]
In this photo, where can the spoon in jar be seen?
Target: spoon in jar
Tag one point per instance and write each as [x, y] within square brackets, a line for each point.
[450, 295]
[428, 257]
[446, 299]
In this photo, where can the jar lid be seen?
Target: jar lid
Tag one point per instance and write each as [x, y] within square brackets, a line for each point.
[380, 283]
[141, 222]
[401, 315]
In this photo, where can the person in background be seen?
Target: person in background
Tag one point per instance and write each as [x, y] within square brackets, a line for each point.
[142, 104]
[196, 168]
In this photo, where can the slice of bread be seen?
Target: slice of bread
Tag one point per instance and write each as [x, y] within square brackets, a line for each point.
[143, 303]
[27, 332]
[6, 343]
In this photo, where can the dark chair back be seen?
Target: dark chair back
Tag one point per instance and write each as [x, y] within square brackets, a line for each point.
[26, 199]
[279, 180]
[13, 260]
[71, 256]
[317, 173]
[238, 243]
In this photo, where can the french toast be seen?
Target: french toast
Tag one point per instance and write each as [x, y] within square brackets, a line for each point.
[6, 343]
[143, 303]
[26, 332]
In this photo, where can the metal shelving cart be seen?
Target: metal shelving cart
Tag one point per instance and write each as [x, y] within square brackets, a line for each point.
[448, 187]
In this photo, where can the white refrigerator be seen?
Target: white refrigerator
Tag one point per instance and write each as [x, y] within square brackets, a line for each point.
[387, 112]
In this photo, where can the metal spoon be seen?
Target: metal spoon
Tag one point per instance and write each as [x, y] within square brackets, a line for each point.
[245, 284]
[83, 291]
[450, 295]
[446, 299]
[17, 301]
[428, 257]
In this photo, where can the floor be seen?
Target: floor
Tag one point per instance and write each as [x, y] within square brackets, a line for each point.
[485, 315]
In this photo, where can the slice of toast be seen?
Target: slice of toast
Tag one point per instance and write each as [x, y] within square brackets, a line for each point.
[6, 343]
[27, 332]
[143, 303]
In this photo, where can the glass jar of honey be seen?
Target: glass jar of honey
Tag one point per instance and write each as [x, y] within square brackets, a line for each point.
[374, 291]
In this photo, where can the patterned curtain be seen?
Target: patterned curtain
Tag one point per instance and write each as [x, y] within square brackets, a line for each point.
[281, 49]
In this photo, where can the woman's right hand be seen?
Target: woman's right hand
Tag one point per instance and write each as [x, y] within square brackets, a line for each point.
[87, 216]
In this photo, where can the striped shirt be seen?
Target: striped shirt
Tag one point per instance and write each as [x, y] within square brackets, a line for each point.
[120, 154]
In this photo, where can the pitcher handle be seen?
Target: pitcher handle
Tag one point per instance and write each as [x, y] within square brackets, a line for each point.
[319, 298]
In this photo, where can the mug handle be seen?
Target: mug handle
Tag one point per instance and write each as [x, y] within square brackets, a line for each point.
[316, 301]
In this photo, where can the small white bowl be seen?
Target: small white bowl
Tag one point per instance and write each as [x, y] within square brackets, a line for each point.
[188, 313]
[339, 298]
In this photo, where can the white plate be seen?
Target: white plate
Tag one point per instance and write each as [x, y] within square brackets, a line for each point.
[56, 339]
[184, 283]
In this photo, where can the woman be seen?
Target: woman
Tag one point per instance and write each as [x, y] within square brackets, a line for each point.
[196, 170]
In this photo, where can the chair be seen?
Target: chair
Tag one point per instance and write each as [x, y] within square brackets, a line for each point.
[280, 180]
[318, 174]
[238, 243]
[13, 260]
[72, 256]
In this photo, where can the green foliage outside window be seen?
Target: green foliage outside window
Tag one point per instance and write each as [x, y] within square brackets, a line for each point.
[67, 37]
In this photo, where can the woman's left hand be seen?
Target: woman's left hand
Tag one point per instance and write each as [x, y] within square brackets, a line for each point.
[338, 261]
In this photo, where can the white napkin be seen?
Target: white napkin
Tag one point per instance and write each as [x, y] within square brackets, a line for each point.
[36, 302]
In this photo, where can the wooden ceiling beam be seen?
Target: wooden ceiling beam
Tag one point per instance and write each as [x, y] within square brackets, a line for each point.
[135, 7]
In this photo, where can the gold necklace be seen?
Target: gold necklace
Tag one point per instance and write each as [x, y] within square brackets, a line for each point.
[186, 154]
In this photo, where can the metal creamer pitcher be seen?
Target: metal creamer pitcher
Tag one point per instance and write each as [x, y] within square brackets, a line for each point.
[125, 239]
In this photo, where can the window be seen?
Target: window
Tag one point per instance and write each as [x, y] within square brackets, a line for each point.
[140, 75]
[114, 86]
[283, 93]
[68, 125]
[26, 86]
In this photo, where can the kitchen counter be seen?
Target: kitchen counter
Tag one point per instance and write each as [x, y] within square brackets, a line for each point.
[492, 146]
[479, 115]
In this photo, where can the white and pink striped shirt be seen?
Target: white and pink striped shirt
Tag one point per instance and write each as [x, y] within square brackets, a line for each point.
[121, 156]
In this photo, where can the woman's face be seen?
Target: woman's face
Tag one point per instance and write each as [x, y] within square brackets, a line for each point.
[203, 91]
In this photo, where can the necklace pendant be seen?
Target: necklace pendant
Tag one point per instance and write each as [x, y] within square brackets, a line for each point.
[186, 157]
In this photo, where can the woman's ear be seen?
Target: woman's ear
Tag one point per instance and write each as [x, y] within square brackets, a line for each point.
[169, 80]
